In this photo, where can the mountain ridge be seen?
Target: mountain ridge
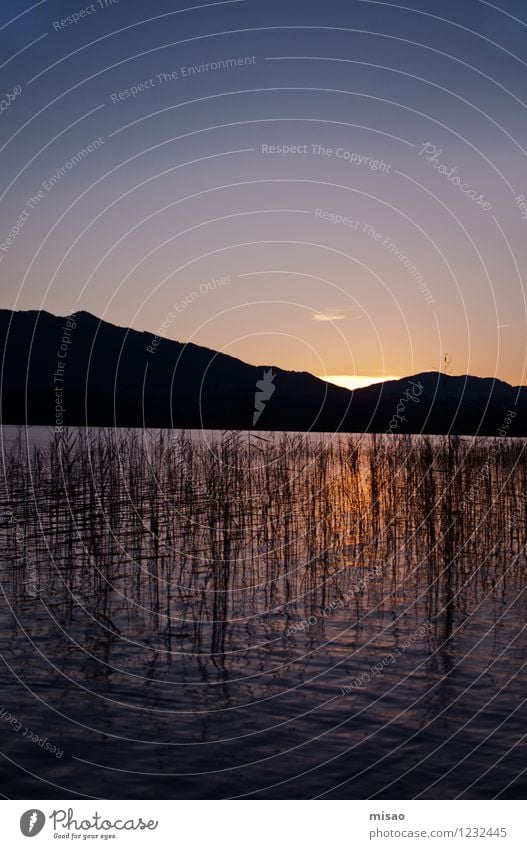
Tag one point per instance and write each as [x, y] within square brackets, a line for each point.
[106, 374]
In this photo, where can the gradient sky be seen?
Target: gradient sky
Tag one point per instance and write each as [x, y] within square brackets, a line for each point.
[178, 216]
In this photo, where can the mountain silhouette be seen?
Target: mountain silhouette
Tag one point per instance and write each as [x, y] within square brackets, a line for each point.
[80, 370]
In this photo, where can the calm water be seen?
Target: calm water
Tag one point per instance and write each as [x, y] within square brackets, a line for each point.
[248, 620]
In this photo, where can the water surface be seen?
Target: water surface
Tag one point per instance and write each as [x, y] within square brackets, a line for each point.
[267, 616]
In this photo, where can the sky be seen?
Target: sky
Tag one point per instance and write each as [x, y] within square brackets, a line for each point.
[333, 187]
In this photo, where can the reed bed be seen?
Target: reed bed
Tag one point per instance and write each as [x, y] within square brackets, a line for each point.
[216, 525]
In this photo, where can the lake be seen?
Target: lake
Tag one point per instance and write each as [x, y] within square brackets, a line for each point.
[207, 615]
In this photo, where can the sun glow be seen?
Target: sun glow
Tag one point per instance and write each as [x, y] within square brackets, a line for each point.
[357, 381]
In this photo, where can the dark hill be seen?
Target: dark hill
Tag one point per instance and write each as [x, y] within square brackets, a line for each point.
[100, 374]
